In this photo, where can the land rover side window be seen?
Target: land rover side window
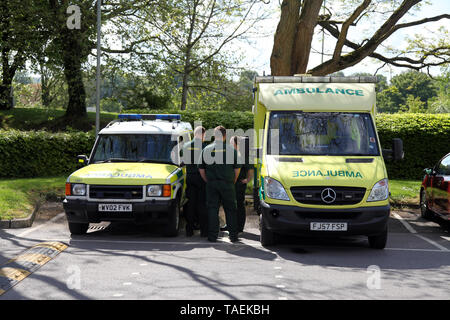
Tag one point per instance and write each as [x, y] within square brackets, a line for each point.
[134, 148]
[321, 133]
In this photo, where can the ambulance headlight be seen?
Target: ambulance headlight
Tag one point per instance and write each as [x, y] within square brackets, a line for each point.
[78, 189]
[154, 190]
[159, 190]
[275, 189]
[380, 191]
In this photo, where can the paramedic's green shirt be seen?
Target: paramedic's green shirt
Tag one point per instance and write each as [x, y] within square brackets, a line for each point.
[191, 152]
[214, 161]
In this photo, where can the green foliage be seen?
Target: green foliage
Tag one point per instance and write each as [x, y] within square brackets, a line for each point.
[389, 100]
[409, 92]
[425, 140]
[413, 105]
[414, 83]
[39, 153]
[441, 102]
[110, 105]
[27, 95]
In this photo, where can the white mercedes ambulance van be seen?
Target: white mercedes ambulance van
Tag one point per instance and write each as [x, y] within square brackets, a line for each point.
[319, 167]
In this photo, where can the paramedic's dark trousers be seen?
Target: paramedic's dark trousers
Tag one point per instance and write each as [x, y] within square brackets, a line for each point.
[196, 206]
[240, 201]
[221, 192]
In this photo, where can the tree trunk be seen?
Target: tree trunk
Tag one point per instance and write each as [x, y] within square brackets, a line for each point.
[45, 88]
[6, 101]
[304, 35]
[72, 60]
[280, 60]
[77, 94]
[292, 42]
[7, 73]
[6, 84]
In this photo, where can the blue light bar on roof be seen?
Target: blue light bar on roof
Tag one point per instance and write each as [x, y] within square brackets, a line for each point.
[150, 116]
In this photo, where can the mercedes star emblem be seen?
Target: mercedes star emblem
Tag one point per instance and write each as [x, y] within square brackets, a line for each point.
[328, 195]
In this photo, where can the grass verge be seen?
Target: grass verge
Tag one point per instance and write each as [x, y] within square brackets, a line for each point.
[404, 193]
[19, 197]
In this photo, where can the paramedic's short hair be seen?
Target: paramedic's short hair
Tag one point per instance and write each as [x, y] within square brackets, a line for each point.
[220, 133]
[199, 131]
[234, 140]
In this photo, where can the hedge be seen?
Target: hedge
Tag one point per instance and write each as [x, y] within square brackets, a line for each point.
[26, 154]
[426, 138]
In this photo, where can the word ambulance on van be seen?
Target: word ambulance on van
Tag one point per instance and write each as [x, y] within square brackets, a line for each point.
[319, 167]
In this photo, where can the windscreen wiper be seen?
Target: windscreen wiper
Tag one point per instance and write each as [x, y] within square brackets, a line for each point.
[115, 160]
[156, 161]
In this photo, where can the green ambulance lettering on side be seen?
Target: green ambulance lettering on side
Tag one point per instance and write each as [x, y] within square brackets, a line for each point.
[330, 91]
[326, 173]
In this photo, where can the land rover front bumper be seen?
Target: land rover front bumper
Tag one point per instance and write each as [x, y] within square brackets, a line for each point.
[83, 211]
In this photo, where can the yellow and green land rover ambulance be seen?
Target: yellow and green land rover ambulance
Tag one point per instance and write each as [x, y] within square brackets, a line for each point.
[319, 166]
[133, 174]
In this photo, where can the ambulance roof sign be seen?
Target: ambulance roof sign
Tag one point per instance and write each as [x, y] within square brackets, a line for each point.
[316, 96]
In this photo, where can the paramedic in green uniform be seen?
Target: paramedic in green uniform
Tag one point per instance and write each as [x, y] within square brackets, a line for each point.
[219, 168]
[245, 176]
[195, 186]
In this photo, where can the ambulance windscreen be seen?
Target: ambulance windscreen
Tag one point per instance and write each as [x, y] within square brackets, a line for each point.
[155, 148]
[321, 133]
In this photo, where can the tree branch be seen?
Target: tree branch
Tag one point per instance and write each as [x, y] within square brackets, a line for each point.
[343, 35]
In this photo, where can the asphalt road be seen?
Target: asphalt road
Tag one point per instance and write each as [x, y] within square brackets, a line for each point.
[129, 262]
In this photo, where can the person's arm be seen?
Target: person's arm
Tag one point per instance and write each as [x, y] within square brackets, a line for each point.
[236, 174]
[203, 174]
[249, 176]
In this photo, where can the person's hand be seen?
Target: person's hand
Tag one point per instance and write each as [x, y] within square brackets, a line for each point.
[244, 181]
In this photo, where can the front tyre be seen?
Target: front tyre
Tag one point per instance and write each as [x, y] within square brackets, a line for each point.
[173, 224]
[267, 237]
[424, 211]
[78, 228]
[378, 241]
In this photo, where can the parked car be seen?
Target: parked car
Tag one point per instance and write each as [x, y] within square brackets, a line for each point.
[435, 190]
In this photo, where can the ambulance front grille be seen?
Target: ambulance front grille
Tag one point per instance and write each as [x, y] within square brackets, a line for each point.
[343, 195]
[116, 192]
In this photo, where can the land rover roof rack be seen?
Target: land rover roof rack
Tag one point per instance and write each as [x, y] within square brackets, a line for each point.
[136, 116]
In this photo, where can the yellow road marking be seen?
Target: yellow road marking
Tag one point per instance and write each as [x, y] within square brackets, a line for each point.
[14, 273]
[34, 258]
[52, 245]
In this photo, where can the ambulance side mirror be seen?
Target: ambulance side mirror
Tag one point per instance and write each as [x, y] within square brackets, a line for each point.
[83, 160]
[397, 149]
[396, 153]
